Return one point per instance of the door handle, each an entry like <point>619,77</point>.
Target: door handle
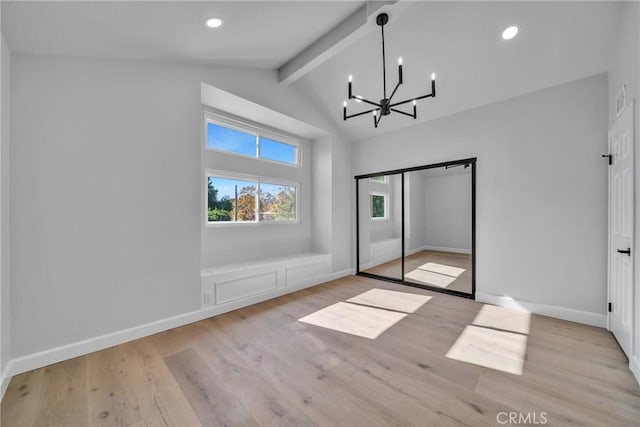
<point>625,251</point>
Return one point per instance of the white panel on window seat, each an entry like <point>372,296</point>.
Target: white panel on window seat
<point>243,287</point>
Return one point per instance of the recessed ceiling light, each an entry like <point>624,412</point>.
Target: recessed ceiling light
<point>213,22</point>
<point>510,32</point>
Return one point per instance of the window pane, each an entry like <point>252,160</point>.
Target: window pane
<point>377,206</point>
<point>277,202</point>
<point>222,138</point>
<point>222,204</point>
<point>278,151</point>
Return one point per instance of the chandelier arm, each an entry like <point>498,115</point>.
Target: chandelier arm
<point>402,112</point>
<point>394,90</point>
<point>376,120</point>
<point>412,99</point>
<point>360,114</point>
<point>366,101</point>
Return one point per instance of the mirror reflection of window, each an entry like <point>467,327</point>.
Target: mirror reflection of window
<point>382,179</point>
<point>379,206</point>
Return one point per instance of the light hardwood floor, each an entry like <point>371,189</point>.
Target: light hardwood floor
<point>394,268</point>
<point>261,366</point>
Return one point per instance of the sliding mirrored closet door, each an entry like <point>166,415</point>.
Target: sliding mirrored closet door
<point>380,225</point>
<point>431,211</point>
<point>438,228</point>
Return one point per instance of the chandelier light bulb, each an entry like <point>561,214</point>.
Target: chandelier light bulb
<point>400,60</point>
<point>213,22</point>
<point>433,76</point>
<point>414,102</point>
<point>374,113</point>
<point>350,78</point>
<point>510,32</point>
<point>344,104</point>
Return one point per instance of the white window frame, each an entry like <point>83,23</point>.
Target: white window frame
<point>254,130</point>
<point>258,179</point>
<point>386,205</point>
<point>385,177</point>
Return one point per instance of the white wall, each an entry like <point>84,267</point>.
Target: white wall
<point>342,217</point>
<point>106,191</point>
<point>321,180</point>
<point>414,211</point>
<point>447,211</point>
<point>5,332</point>
<point>625,70</point>
<point>541,189</point>
<point>395,205</point>
<point>625,57</point>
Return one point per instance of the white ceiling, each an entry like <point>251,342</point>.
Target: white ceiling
<point>460,41</point>
<point>261,34</point>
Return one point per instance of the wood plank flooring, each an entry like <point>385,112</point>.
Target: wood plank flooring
<point>261,366</point>
<point>461,283</point>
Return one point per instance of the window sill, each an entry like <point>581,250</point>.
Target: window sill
<point>222,224</point>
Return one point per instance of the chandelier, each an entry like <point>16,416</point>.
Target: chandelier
<point>386,106</point>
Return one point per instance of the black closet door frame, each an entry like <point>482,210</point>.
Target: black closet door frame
<point>472,161</point>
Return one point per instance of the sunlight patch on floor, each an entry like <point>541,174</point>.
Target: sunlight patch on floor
<point>367,322</point>
<point>496,339</point>
<point>430,278</point>
<point>500,350</point>
<point>492,316</point>
<point>442,269</point>
<point>391,300</point>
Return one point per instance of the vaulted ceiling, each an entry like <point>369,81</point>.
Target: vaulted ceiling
<point>460,41</point>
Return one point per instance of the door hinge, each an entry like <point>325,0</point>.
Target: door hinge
<point>610,156</point>
<point>610,307</point>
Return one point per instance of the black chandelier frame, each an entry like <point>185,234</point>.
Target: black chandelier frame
<point>386,106</point>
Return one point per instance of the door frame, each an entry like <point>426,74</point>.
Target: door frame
<point>472,161</point>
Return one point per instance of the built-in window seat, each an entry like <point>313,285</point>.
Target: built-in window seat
<point>261,279</point>
<point>381,251</point>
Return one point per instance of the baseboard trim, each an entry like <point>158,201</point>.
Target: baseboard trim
<point>5,379</point>
<point>375,263</point>
<point>585,317</point>
<point>80,348</point>
<point>634,366</point>
<point>409,252</point>
<point>445,249</point>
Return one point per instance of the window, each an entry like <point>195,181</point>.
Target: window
<point>277,202</point>
<point>277,151</point>
<point>231,200</point>
<point>243,200</point>
<point>245,140</point>
<point>379,206</point>
<point>231,140</point>
<point>382,179</point>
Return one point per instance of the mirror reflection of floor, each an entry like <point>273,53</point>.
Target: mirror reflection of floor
<point>448,270</point>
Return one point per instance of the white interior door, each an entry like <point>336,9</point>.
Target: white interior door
<point>621,205</point>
